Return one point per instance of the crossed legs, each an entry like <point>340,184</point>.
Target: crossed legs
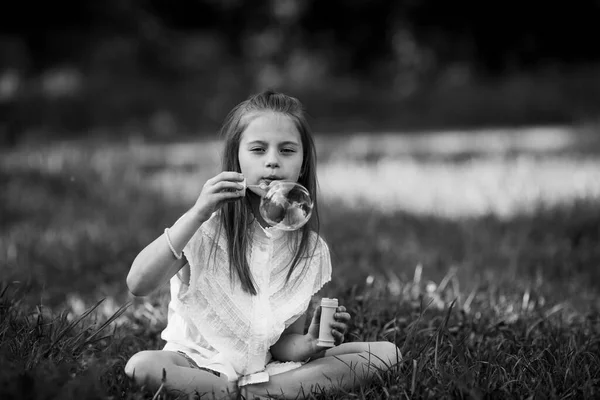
<point>346,366</point>
<point>146,369</point>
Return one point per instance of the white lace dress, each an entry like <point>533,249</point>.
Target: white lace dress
<point>221,327</point>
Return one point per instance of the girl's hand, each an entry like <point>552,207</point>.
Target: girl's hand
<point>338,328</point>
<point>225,187</point>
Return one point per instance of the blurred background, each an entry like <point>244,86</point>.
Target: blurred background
<point>159,69</point>
<point>458,164</point>
<point>452,136</point>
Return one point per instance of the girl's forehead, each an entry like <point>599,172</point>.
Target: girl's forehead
<point>267,126</point>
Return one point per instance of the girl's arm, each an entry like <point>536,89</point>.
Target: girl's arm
<point>156,264</point>
<point>293,345</point>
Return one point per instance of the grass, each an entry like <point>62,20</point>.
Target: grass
<point>484,301</point>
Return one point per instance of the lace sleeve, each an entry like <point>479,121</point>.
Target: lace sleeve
<point>193,249</point>
<point>293,299</point>
<point>199,249</point>
<point>323,261</point>
<point>194,253</point>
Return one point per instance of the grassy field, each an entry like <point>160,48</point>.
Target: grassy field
<point>475,252</point>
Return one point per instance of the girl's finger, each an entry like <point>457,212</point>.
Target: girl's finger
<point>338,338</point>
<point>229,196</point>
<point>341,309</point>
<point>224,176</point>
<point>316,315</point>
<point>341,316</point>
<point>337,334</point>
<point>339,326</point>
<point>229,176</point>
<point>226,186</point>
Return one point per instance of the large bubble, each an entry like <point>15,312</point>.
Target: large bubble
<point>286,206</point>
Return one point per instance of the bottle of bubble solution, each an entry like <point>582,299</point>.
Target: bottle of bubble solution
<point>328,307</point>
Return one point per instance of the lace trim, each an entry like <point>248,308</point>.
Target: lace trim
<point>239,325</point>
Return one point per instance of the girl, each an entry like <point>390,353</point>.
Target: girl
<point>240,290</point>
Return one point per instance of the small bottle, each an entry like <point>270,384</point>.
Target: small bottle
<point>328,307</point>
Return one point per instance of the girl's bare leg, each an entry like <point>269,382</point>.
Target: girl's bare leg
<point>345,366</point>
<point>146,368</point>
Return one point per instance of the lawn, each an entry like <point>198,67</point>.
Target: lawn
<point>475,252</point>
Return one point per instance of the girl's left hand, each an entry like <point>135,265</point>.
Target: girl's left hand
<point>340,326</point>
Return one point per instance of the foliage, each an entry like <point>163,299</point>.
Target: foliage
<point>163,69</point>
<point>358,36</point>
<point>471,321</point>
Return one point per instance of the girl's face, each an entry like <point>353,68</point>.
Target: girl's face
<point>270,149</point>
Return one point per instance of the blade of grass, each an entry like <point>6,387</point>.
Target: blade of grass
<point>70,326</point>
<point>109,321</point>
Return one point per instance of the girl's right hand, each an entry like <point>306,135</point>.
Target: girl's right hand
<point>225,187</point>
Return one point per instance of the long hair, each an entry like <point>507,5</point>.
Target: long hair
<point>236,217</point>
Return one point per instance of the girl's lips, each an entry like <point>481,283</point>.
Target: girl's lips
<point>263,186</point>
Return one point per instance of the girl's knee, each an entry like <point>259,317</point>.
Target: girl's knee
<point>135,362</point>
<point>382,352</point>
<point>138,366</point>
<point>388,353</point>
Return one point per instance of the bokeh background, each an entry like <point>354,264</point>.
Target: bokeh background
<point>158,69</point>
<point>458,149</point>
<point>454,112</point>
<point>450,115</point>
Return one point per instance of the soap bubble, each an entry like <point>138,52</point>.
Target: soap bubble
<point>286,206</point>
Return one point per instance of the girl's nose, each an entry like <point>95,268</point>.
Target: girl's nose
<point>272,160</point>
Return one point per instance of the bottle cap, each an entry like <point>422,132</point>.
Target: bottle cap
<point>325,302</point>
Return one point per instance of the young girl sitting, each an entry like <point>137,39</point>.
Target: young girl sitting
<point>240,289</point>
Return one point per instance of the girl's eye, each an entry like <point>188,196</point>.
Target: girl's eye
<point>288,151</point>
<point>256,149</point>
